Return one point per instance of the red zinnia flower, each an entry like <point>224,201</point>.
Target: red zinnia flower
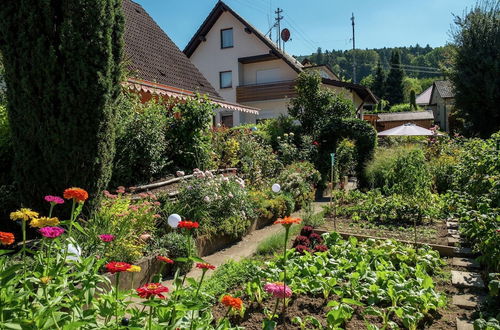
<point>233,302</point>
<point>188,224</point>
<point>117,267</point>
<point>165,259</point>
<point>6,238</point>
<point>77,194</point>
<point>152,290</point>
<point>204,265</point>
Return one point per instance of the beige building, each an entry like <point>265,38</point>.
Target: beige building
<point>442,103</point>
<point>248,68</point>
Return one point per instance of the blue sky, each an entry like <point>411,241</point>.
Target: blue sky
<point>323,23</point>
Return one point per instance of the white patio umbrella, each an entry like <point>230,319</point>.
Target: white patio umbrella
<point>408,129</point>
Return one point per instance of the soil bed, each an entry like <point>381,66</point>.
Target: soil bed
<point>432,233</point>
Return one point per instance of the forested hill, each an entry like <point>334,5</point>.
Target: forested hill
<point>417,62</point>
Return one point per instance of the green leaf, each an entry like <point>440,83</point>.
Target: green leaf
<point>352,302</point>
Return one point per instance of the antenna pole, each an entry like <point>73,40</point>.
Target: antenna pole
<point>278,24</point>
<point>353,51</point>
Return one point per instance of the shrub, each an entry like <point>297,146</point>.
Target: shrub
<point>220,204</point>
<point>478,170</point>
<point>141,147</point>
<point>442,170</point>
<point>258,162</point>
<point>402,107</point>
<point>346,158</point>
<point>225,147</point>
<point>188,133</point>
<point>361,132</point>
<point>271,206</point>
<point>128,220</point>
<point>292,148</point>
<point>299,180</point>
<point>401,170</point>
<point>177,246</point>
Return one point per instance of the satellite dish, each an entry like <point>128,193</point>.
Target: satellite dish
<point>285,34</point>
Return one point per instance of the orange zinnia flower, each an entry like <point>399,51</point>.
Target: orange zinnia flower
<point>232,302</point>
<point>77,194</point>
<point>6,238</point>
<point>287,221</point>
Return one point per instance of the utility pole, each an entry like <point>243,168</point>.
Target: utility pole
<point>278,20</point>
<point>353,51</point>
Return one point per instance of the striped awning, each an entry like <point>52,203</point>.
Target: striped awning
<point>172,92</point>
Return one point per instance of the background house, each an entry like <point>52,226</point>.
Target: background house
<point>442,102</point>
<point>248,68</point>
<point>385,121</point>
<point>158,67</point>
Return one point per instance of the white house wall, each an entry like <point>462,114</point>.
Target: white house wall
<point>210,59</point>
<point>281,71</point>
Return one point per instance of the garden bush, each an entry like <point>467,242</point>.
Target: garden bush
<point>188,133</point>
<point>402,170</point>
<point>132,222</point>
<point>220,204</point>
<point>299,180</point>
<point>257,162</point>
<point>177,246</point>
<point>270,205</point>
<point>141,146</point>
<point>346,158</point>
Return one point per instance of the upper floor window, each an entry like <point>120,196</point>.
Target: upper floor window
<point>226,79</point>
<point>226,38</point>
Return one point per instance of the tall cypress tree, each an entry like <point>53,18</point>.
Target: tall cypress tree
<point>63,74</point>
<point>394,82</point>
<point>378,86</point>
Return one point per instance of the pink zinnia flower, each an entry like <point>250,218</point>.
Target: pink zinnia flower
<point>107,238</point>
<point>278,290</point>
<point>51,232</point>
<point>54,199</point>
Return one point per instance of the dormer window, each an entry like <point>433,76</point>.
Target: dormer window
<point>226,38</point>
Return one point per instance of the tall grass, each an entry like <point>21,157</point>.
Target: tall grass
<point>274,243</point>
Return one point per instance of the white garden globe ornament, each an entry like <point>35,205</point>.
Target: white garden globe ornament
<point>173,220</point>
<point>276,188</point>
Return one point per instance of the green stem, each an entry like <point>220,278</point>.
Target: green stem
<point>275,308</point>
<point>150,317</point>
<point>225,315</point>
<point>287,231</point>
<point>51,208</point>
<point>196,295</point>
<point>48,304</point>
<point>116,295</point>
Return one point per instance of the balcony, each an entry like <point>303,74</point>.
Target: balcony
<point>267,91</point>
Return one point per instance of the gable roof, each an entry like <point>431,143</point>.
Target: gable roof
<point>214,15</point>
<point>445,88</point>
<point>152,56</point>
<point>425,97</point>
<point>364,92</point>
<point>319,66</point>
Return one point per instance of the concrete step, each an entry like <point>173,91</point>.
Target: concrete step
<point>464,324</point>
<point>453,232</point>
<point>467,279</point>
<point>464,252</point>
<point>451,224</point>
<point>465,262</point>
<point>467,301</point>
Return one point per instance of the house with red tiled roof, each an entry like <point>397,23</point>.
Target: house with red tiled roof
<point>248,68</point>
<point>158,67</point>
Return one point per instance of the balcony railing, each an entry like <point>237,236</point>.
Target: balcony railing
<point>267,91</point>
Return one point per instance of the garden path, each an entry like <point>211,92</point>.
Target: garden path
<point>247,246</point>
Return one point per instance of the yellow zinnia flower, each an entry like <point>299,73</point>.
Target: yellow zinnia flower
<point>44,222</point>
<point>134,269</point>
<point>23,214</point>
